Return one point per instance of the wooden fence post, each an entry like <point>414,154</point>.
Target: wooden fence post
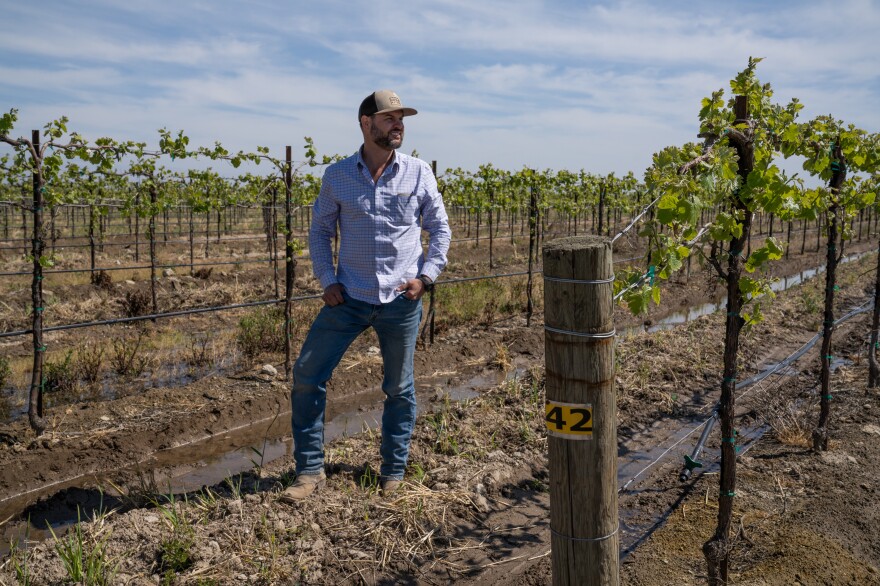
<point>581,410</point>
<point>289,262</point>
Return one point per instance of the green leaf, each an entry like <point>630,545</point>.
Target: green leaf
<point>772,250</point>
<point>7,121</point>
<point>729,170</point>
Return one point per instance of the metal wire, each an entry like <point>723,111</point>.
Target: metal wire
<point>153,316</point>
<point>636,219</point>
<point>222,308</point>
<point>143,267</point>
<point>749,382</point>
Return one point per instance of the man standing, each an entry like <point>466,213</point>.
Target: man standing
<point>381,200</point>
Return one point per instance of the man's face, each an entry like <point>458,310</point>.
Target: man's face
<point>386,130</point>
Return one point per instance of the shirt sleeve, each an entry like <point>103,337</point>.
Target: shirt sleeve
<point>436,223</point>
<point>325,215</point>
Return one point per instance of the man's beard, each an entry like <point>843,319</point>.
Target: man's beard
<point>384,140</point>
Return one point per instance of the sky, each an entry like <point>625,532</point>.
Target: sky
<point>566,84</point>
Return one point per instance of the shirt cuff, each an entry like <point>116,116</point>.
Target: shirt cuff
<point>430,271</point>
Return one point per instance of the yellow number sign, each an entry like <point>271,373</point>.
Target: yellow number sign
<point>569,420</point>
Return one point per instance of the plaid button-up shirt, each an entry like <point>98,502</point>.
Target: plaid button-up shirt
<point>380,226</point>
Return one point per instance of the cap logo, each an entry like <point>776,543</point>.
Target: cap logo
<point>394,100</point>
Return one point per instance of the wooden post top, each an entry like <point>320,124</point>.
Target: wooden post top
<point>577,243</point>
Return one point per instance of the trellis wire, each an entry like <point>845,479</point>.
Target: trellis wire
<point>225,308</point>
<point>144,267</point>
<point>636,219</point>
<point>867,306</point>
<point>154,316</point>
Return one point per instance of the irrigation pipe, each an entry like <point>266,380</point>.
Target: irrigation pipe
<point>749,382</point>
<point>141,267</point>
<point>153,316</point>
<point>158,242</point>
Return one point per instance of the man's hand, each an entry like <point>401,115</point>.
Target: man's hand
<point>413,289</point>
<point>333,295</point>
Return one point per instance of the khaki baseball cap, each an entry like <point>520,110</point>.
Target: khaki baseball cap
<point>383,101</point>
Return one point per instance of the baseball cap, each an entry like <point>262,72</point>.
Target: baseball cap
<point>383,101</point>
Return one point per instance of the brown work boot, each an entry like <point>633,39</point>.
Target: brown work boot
<point>303,486</point>
<point>388,486</point>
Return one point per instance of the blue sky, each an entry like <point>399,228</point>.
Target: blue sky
<point>565,84</point>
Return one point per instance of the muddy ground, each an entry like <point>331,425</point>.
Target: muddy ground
<point>475,507</point>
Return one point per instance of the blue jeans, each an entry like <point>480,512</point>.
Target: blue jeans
<point>335,328</point>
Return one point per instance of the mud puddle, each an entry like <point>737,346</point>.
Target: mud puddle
<point>213,460</point>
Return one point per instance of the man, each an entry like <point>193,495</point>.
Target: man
<point>381,200</point>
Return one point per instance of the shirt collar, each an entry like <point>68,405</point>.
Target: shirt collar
<point>392,168</point>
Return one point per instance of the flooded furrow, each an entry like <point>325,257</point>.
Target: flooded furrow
<point>211,460</point>
<point>687,315</point>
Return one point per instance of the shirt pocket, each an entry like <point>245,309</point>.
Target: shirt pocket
<point>403,208</point>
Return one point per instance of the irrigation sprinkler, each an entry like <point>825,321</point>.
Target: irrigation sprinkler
<point>691,462</point>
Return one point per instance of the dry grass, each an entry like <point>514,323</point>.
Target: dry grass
<point>413,520</point>
<point>362,360</point>
<point>792,433</point>
<point>501,360</point>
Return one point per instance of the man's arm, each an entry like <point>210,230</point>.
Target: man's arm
<point>325,215</point>
<point>436,223</point>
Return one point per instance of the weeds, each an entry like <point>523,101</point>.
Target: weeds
<point>810,300</point>
<point>418,473</point>
<point>174,514</point>
<point>200,354</point>
<point>175,553</point>
<point>258,465</point>
<point>84,559</point>
<point>414,521</point>
<point>102,280</point>
<point>60,377</point>
<point>20,559</point>
<point>5,409</point>
<point>136,303</point>
<point>262,331</point>
<point>526,433</point>
<point>89,360</point>
<point>142,495</point>
<point>206,500</point>
<point>440,423</point>
<point>369,480</point>
<point>490,309</point>
<point>483,301</point>
<point>530,387</point>
<point>125,359</point>
<point>790,430</point>
<point>463,302</point>
<point>501,361</point>
<point>234,484</point>
<point>267,568</point>
<point>5,371</point>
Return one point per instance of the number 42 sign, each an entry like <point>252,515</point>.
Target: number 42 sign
<point>569,420</point>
